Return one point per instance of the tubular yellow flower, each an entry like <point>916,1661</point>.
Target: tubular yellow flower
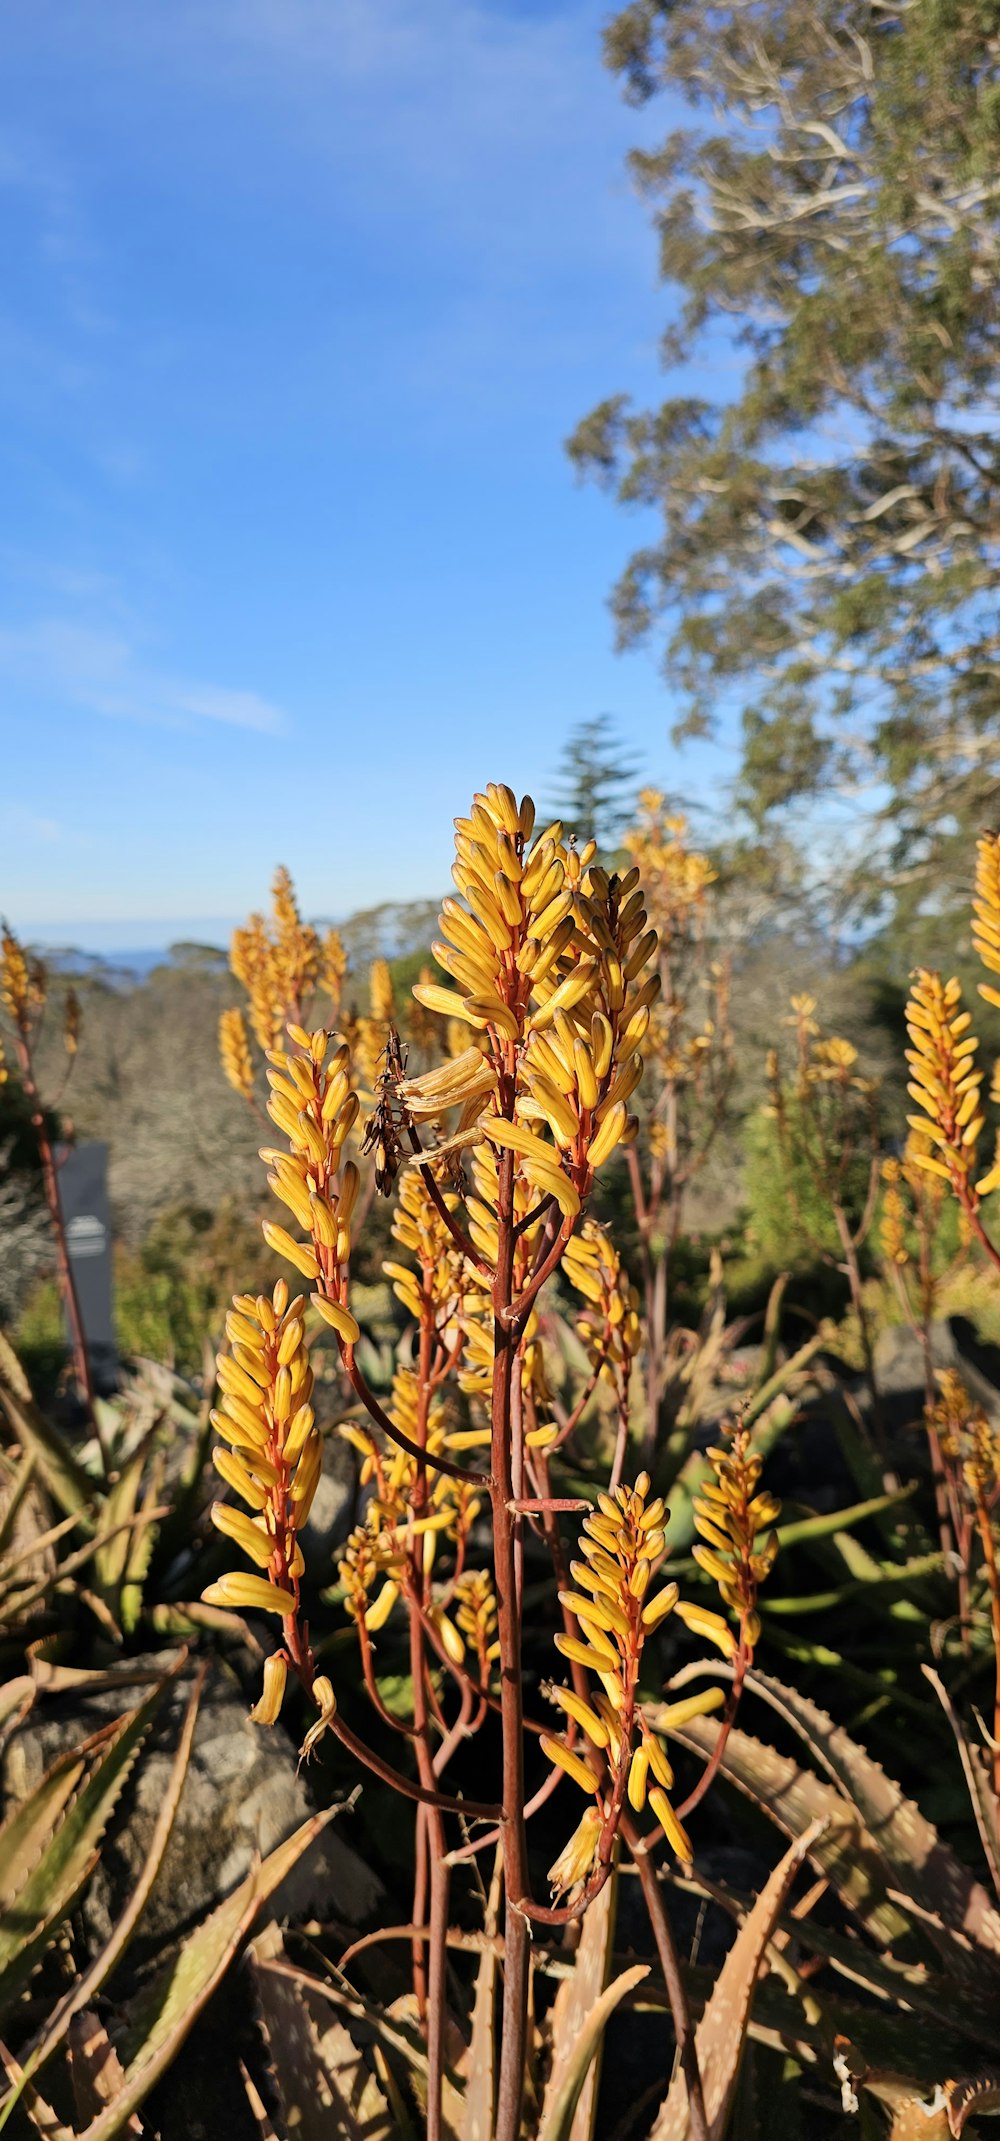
<point>268,1710</point>
<point>576,1861</point>
<point>564,1758</point>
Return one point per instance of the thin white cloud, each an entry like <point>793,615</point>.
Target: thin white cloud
<point>19,822</point>
<point>101,672</point>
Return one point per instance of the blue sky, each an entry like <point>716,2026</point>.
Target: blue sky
<point>300,299</point>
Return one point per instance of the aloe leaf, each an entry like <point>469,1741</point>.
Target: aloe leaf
<point>721,2033</point>
<point>95,2069</point>
<point>70,1486</point>
<point>875,1577</point>
<point>119,1522</point>
<point>795,1798</point>
<point>16,1698</point>
<point>969,2096</point>
<point>22,1475</point>
<point>981,1793</point>
<point>88,1985</point>
<point>776,1384</point>
<point>16,1559</point>
<point>317,2094</point>
<point>140,1551</point>
<point>480,2061</point>
<point>575,2000</point>
<point>52,1886</point>
<point>801,1529</point>
<point>258,2109</point>
<point>41,2114</point>
<point>772,1326</point>
<point>922,1865</point>
<point>557,2124</point>
<point>162,2015</point>
<point>26,1831</point>
<point>849,1856</point>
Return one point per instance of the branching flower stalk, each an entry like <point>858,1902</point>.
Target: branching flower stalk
<point>946,1083</point>
<point>493,1153</point>
<point>691,1063</point>
<point>827,1119</point>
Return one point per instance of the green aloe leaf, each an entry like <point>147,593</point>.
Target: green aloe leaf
<point>480,2062</point>
<point>51,1887</point>
<point>922,1865</point>
<point>795,1798</point>
<point>69,1485</point>
<point>163,2013</point>
<point>86,1986</point>
<point>557,2124</point>
<point>575,2000</point>
<point>721,2033</point>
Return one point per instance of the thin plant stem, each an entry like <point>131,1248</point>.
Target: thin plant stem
<point>687,2049</point>
<point>990,1559</point>
<point>506,1533</point>
<point>50,1184</point>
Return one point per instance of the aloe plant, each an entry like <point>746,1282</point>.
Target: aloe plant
<point>917,1934</point>
<point>49,1848</point>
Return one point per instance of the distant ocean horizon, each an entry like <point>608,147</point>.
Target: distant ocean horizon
<point>137,961</point>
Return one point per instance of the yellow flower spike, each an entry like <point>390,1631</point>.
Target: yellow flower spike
<point>676,1835</point>
<point>268,1709</point>
<point>564,1758</point>
<point>234,1052</point>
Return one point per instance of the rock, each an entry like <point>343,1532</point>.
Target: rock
<point>899,1367</point>
<point>333,1510</point>
<point>242,1796</point>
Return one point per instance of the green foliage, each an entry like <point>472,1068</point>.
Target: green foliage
<point>595,783</point>
<point>789,1223</point>
<point>827,553</point>
<point>171,1294</point>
